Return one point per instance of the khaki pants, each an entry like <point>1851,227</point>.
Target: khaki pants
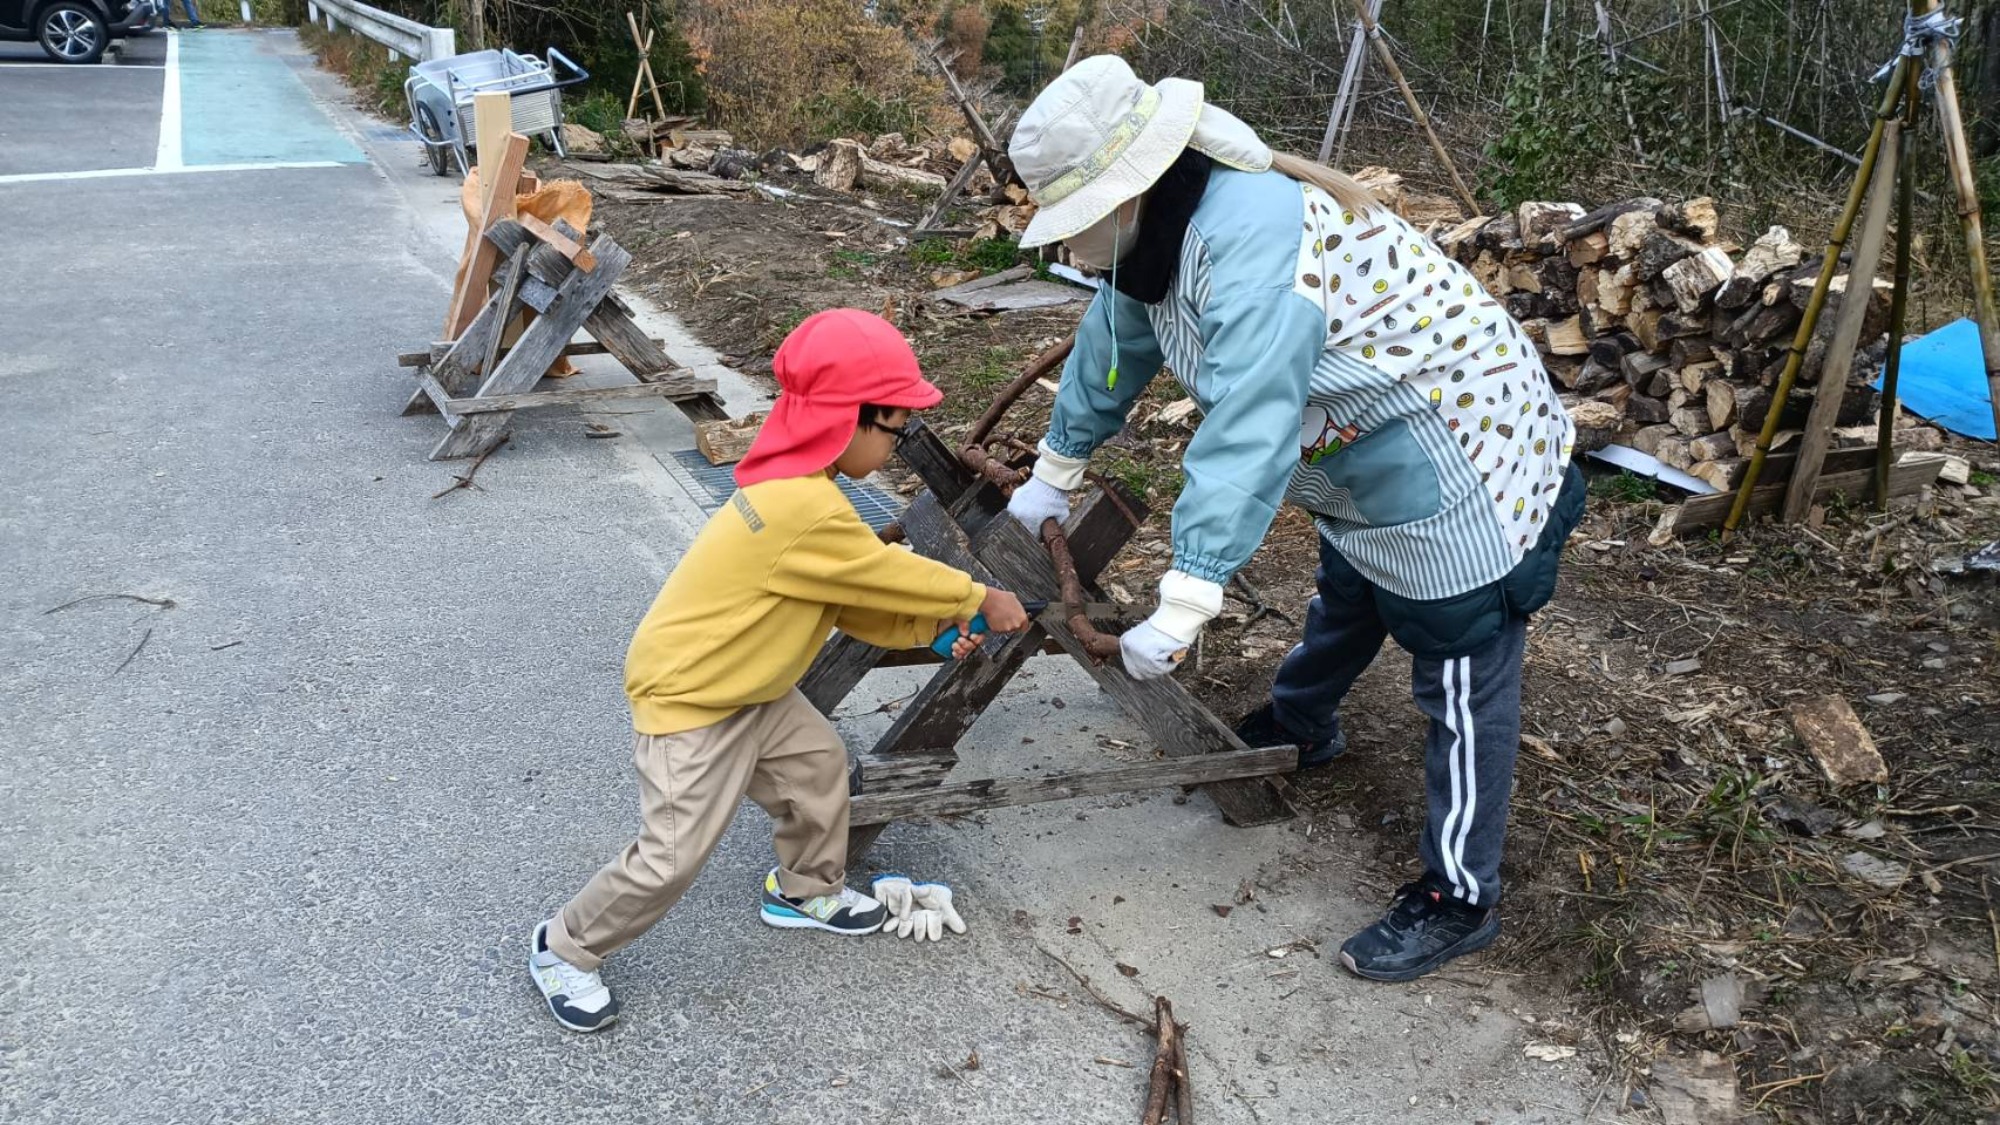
<point>783,755</point>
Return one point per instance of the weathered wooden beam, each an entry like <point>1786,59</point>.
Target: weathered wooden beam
<point>537,348</point>
<point>442,347</point>
<point>1906,478</point>
<point>1181,726</point>
<point>686,386</point>
<point>871,809</point>
<point>457,371</point>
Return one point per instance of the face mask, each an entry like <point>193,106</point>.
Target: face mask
<point>1101,245</point>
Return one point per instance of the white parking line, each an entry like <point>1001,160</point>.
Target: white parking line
<point>117,173</point>
<point>169,157</point>
<point>7,66</point>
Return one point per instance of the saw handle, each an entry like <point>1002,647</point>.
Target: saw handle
<point>948,638</point>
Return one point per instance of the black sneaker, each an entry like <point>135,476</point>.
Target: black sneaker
<point>1424,929</point>
<point>1261,728</point>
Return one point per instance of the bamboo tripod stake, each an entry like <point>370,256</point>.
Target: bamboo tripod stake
<point>1847,325</point>
<point>1900,96</point>
<point>1899,297</point>
<point>1388,61</point>
<point>1891,99</point>
<point>1959,155</point>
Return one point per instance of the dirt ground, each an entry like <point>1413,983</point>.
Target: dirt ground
<point>1668,827</point>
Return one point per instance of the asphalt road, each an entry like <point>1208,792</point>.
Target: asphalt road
<point>272,839</point>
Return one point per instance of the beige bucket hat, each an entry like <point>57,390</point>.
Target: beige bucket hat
<point>1098,136</point>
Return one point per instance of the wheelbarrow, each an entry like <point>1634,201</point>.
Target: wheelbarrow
<point>440,96</point>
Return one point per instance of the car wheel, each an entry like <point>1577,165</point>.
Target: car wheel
<point>435,152</point>
<point>72,32</point>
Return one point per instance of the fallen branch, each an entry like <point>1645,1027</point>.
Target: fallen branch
<point>1103,1001</point>
<point>1100,646</point>
<point>163,603</point>
<point>134,654</point>
<point>464,480</point>
<point>1162,1083</point>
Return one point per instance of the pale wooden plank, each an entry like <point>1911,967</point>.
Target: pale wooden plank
<point>688,386</point>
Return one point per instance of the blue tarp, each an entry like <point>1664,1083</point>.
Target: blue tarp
<point>1944,379</point>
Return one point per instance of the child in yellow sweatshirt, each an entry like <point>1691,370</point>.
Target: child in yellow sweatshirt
<point>713,671</point>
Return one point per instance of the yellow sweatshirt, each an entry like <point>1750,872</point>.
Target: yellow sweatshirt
<point>780,567</point>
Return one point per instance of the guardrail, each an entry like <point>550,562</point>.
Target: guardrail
<point>404,37</point>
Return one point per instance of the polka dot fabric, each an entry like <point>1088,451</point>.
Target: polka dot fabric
<point>1393,301</point>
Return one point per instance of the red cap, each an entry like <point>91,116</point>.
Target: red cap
<point>827,369</point>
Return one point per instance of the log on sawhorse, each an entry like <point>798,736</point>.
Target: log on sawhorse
<point>475,384</point>
<point>959,519</point>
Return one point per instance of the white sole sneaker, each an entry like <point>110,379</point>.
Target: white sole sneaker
<point>563,984</point>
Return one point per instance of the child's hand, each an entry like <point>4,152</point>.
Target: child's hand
<point>1003,611</point>
<point>968,642</point>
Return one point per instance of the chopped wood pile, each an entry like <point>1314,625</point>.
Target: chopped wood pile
<point>1671,339</point>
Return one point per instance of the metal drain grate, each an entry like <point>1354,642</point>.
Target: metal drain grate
<point>718,482</point>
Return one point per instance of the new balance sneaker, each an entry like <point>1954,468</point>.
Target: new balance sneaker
<point>577,999</point>
<point>1261,728</point>
<point>1424,929</point>
<point>849,912</point>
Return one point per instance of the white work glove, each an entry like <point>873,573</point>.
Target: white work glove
<point>1186,604</point>
<point>895,892</point>
<point>1045,495</point>
<point>934,914</point>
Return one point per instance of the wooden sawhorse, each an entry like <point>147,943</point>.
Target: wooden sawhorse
<point>960,519</point>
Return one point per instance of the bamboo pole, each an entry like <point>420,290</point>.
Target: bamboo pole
<point>1847,324</point>
<point>1891,98</point>
<point>1899,298</point>
<point>1416,110</point>
<point>1958,154</point>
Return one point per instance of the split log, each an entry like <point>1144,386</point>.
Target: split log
<point>1591,415</point>
<point>1674,452</point>
<point>1614,290</point>
<point>1565,337</point>
<point>1611,348</point>
<point>1603,217</point>
<point>1645,409</point>
<point>1697,219</point>
<point>879,175</point>
<point>1690,421</point>
<point>1692,351</point>
<point>840,165</point>
<point>1461,241</point>
<point>1629,232</point>
<point>1589,250</point>
<point>1647,440</point>
<point>726,441</point>
<point>1720,399</point>
<point>1773,251</point>
<point>1640,367</point>
<point>1696,376</point>
<point>1659,250</point>
<point>1830,730</point>
<point>652,178</point>
<point>1645,324</point>
<point>1724,475</point>
<point>1543,226</point>
<point>1596,375</point>
<point>1712,447</point>
<point>1695,278</point>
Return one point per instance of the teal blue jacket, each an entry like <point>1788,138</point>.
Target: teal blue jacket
<point>1341,361</point>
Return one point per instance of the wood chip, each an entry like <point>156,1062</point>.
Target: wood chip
<point>1830,730</point>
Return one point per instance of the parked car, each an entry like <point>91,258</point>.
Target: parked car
<point>73,31</point>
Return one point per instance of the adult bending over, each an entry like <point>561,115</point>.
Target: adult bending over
<point>1343,362</point>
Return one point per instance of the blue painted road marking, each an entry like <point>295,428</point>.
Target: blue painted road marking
<point>242,104</point>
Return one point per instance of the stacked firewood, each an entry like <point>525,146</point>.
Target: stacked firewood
<point>1670,338</point>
